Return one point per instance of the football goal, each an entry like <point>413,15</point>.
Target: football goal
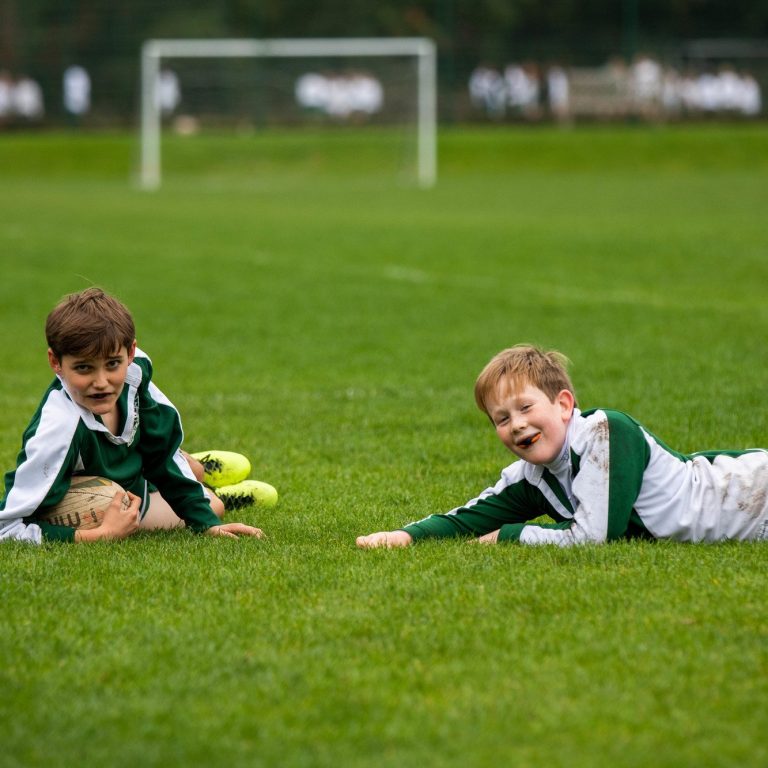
<point>322,82</point>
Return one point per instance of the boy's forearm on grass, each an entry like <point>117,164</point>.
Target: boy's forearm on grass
<point>511,532</point>
<point>413,531</point>
<point>82,536</point>
<point>439,527</point>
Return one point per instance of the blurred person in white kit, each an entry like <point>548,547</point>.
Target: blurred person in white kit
<point>77,91</point>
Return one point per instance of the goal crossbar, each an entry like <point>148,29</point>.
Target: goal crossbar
<point>153,51</point>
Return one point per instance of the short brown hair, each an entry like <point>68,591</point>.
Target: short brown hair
<point>90,323</point>
<point>524,364</point>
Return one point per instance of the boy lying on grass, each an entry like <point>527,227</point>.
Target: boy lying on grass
<point>103,416</point>
<point>598,474</point>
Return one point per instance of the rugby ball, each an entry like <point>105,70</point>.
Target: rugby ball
<point>84,503</point>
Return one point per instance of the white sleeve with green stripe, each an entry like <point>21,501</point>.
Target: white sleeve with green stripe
<point>609,454</point>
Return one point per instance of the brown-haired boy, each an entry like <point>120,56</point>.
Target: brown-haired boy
<point>599,475</point>
<point>104,416</point>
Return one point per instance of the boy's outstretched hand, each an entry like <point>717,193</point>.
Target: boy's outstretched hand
<point>489,538</point>
<point>388,539</point>
<point>235,530</point>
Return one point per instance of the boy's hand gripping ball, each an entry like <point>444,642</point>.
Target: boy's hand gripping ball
<point>84,503</point>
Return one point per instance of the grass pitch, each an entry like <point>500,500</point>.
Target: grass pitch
<point>328,320</point>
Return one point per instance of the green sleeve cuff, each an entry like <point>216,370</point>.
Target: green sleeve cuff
<point>198,527</point>
<point>54,532</point>
<point>413,531</point>
<point>511,531</point>
<point>200,520</point>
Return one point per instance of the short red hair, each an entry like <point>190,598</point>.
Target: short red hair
<point>520,365</point>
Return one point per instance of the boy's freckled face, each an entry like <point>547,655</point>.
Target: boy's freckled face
<point>94,382</point>
<point>528,423</point>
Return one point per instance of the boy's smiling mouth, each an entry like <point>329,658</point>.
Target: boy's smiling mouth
<point>527,442</point>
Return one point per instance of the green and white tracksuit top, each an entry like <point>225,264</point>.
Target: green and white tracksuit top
<point>64,439</point>
<point>613,479</point>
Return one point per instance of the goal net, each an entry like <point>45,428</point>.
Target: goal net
<point>383,89</point>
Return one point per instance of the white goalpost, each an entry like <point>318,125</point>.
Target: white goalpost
<point>154,52</point>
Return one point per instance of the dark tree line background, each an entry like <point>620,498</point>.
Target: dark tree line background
<point>42,37</point>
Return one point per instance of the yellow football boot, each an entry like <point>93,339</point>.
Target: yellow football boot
<point>247,493</point>
<point>223,467</point>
